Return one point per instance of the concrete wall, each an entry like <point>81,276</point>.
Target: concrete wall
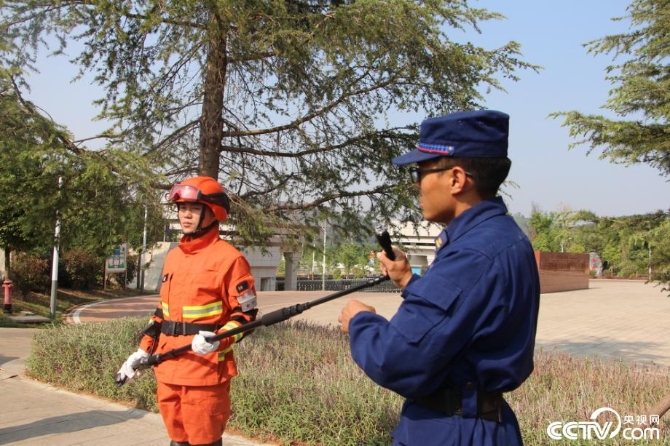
<point>562,271</point>
<point>155,258</point>
<point>264,266</point>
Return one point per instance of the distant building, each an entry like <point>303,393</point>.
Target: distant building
<point>264,261</point>
<point>418,243</point>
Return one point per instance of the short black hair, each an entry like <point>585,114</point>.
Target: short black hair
<point>488,173</point>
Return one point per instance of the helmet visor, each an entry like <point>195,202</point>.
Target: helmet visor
<point>182,192</point>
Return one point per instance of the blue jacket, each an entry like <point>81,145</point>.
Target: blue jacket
<point>472,317</point>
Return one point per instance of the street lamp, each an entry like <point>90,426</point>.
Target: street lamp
<point>323,269</point>
<point>54,266</point>
<point>144,249</point>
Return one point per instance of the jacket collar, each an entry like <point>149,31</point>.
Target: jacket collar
<point>190,245</point>
<point>469,219</point>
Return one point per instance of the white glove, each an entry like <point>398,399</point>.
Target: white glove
<point>127,367</point>
<point>201,346</point>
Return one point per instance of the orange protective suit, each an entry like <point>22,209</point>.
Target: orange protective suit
<point>205,279</point>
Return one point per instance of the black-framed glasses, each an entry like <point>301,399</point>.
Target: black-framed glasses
<point>415,173</point>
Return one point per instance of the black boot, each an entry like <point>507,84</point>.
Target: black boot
<point>218,442</point>
<point>179,443</point>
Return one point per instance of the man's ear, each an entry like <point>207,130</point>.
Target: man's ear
<point>458,180</point>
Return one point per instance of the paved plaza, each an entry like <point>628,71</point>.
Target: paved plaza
<point>613,319</point>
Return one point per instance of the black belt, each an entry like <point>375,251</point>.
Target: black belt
<point>172,328</point>
<point>449,402</point>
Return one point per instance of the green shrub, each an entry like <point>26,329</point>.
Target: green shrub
<point>81,268</point>
<point>298,384</point>
<point>131,268</point>
<point>297,381</point>
<point>86,357</point>
<point>30,272</point>
<point>568,388</point>
<point>307,390</point>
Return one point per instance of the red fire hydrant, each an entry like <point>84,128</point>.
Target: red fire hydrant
<point>8,286</point>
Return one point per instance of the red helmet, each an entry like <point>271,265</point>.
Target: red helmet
<point>205,190</point>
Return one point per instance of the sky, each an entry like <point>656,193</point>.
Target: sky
<point>550,177</point>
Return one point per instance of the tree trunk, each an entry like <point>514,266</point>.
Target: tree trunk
<point>211,119</point>
<point>8,264</point>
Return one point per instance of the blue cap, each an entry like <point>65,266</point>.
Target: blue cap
<point>476,134</point>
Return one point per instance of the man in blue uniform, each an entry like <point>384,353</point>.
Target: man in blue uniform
<point>465,331</point>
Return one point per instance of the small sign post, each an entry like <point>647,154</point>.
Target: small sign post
<point>117,262</point>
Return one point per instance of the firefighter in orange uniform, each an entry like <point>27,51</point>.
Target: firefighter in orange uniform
<point>207,287</point>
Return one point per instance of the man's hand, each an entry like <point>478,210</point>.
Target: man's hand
<point>351,309</point>
<point>127,369</point>
<point>201,346</point>
<point>398,270</point>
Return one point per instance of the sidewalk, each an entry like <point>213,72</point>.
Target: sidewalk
<point>624,320</point>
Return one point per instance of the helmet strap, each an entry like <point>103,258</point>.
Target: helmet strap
<point>202,231</point>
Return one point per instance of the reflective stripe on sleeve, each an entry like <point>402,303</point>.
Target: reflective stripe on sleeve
<point>222,353</point>
<point>231,325</point>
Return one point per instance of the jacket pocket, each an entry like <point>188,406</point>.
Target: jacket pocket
<point>427,304</point>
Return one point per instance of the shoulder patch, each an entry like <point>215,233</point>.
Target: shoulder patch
<point>242,286</point>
